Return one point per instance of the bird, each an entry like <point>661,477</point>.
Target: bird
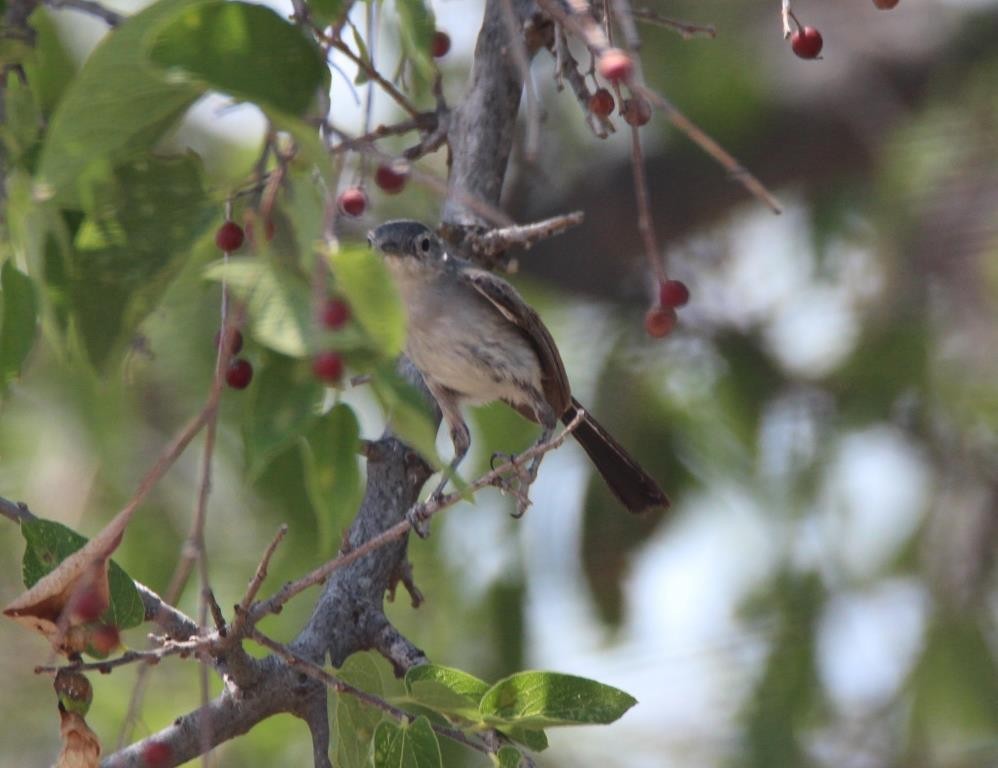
<point>475,340</point>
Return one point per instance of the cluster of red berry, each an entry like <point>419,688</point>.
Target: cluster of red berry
<point>661,317</point>
<point>335,313</point>
<point>328,366</point>
<point>239,374</point>
<point>618,68</point>
<point>390,177</point>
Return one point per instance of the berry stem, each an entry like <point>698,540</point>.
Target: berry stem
<point>645,226</point>
<point>787,14</point>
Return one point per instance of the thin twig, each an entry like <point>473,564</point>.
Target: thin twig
<point>425,121</point>
<point>687,30</point>
<point>151,657</point>
<point>372,73</point>
<point>703,140</point>
<point>422,512</point>
<point>785,15</point>
<point>256,582</point>
<point>496,241</point>
<point>17,512</point>
<point>656,264</point>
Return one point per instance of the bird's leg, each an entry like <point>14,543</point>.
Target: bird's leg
<point>525,475</point>
<point>449,402</point>
<point>460,437</point>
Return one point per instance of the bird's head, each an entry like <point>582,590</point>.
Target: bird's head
<point>402,240</point>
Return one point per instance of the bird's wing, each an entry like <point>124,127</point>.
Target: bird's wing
<point>505,298</point>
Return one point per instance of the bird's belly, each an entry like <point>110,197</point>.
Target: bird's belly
<point>479,368</point>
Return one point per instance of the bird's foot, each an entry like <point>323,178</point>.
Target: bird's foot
<point>418,519</point>
<point>507,458</point>
<point>518,482</point>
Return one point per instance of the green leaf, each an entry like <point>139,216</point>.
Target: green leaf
<point>22,122</point>
<point>282,408</point>
<point>326,11</point>
<point>507,757</point>
<point>412,746</point>
<point>50,69</point>
<point>117,106</point>
<point>18,319</point>
<point>544,699</point>
<point>446,690</point>
<point>407,412</point>
<point>138,234</point>
<point>49,543</point>
<point>354,722</point>
<point>331,470</point>
<point>361,77</point>
<point>246,50</point>
<point>278,303</point>
<point>532,738</point>
<point>416,27</point>
<point>363,278</point>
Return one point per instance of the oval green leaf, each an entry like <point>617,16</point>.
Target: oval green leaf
<point>331,472</point>
<point>364,280</point>
<point>117,106</point>
<point>17,320</point>
<point>413,746</point>
<point>446,690</point>
<point>246,50</point>
<point>545,699</point>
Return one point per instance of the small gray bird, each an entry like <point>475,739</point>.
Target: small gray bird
<point>475,340</point>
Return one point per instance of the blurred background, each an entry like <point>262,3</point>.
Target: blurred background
<point>825,417</point>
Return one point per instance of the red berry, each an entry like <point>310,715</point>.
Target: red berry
<point>235,340</point>
<point>440,45</point>
<point>885,5</point>
<point>156,754</point>
<point>806,43</point>
<point>673,293</point>
<point>391,178</point>
<point>659,321</point>
<point>328,366</point>
<point>601,103</point>
<point>87,604</point>
<point>352,202</point>
<point>636,112</point>
<point>229,237</point>
<point>101,639</point>
<point>335,313</point>
<point>615,65</point>
<point>240,373</point>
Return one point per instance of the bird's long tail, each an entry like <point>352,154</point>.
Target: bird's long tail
<point>635,488</point>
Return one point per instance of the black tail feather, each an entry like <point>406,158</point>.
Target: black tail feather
<point>634,487</point>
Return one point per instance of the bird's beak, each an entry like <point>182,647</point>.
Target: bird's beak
<point>382,241</point>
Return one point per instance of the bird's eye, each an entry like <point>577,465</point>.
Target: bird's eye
<point>424,245</point>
